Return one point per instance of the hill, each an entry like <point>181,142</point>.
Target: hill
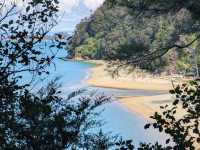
<point>113,33</point>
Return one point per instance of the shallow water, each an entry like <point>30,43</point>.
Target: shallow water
<point>118,119</point>
<point>129,125</point>
<point>123,92</point>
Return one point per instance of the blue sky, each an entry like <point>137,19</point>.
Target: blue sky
<point>72,11</point>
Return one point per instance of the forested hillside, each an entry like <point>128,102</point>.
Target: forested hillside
<point>114,33</point>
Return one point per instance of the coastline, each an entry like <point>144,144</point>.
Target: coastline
<point>101,78</point>
<point>144,106</point>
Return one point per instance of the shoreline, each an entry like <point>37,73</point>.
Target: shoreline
<point>101,78</point>
<point>145,106</point>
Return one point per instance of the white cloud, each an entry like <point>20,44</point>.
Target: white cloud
<point>93,4</point>
<point>68,5</point>
<point>64,5</point>
<point>9,3</point>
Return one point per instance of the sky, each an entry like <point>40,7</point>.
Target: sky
<point>72,11</point>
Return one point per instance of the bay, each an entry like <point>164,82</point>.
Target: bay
<point>118,120</point>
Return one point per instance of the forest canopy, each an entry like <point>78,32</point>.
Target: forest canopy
<point>135,32</point>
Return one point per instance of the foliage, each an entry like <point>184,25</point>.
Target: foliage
<point>47,121</point>
<point>31,119</point>
<point>106,26</point>
<point>43,119</point>
<point>157,27</point>
<point>189,58</point>
<point>184,63</point>
<point>184,130</point>
<point>144,38</point>
<point>125,145</point>
<point>182,19</point>
<point>89,49</point>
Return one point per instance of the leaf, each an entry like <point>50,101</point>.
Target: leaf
<point>59,36</point>
<point>160,129</point>
<point>129,141</point>
<point>10,22</point>
<point>172,92</point>
<point>167,141</point>
<point>161,107</point>
<point>75,93</point>
<point>168,148</point>
<point>118,144</point>
<point>28,8</point>
<point>198,140</point>
<point>56,1</point>
<point>5,25</point>
<point>175,102</point>
<point>147,126</point>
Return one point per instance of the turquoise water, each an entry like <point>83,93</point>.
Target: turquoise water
<point>117,119</point>
<point>71,73</point>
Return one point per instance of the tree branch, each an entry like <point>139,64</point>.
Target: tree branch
<point>7,13</point>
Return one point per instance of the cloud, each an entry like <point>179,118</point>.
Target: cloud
<point>93,4</point>
<point>68,5</point>
<point>64,5</point>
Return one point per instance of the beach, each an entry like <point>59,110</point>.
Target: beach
<point>140,106</point>
<point>144,106</point>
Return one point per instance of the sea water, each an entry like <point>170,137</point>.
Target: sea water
<point>118,120</point>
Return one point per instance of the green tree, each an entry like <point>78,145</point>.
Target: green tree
<point>189,59</point>
<point>184,130</point>
<point>182,18</point>
<point>89,49</point>
<point>184,64</point>
<point>117,27</point>
<point>38,120</point>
